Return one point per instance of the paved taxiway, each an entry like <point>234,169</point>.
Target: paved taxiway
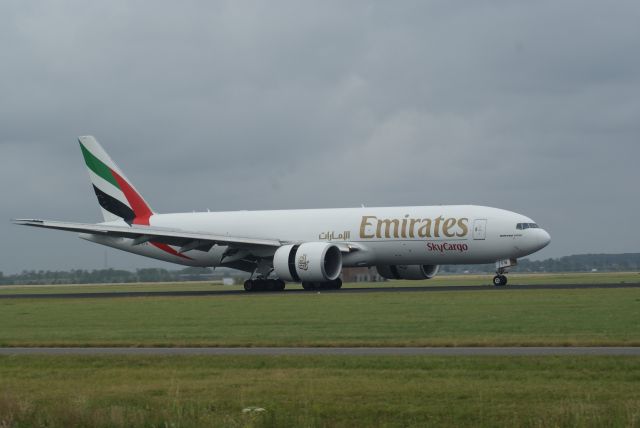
<point>403,351</point>
<point>187,293</point>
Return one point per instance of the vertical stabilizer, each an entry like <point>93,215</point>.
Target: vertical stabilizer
<point>117,197</point>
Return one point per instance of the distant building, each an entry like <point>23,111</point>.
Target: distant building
<point>361,274</point>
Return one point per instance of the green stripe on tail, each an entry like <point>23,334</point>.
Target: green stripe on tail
<point>98,167</point>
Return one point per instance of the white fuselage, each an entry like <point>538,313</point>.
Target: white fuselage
<point>433,235</point>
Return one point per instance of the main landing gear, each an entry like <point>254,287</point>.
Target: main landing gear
<point>336,284</point>
<point>264,285</point>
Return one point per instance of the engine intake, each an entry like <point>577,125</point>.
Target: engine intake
<point>414,272</point>
<point>308,262</point>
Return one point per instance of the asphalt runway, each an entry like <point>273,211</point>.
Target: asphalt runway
<point>408,351</point>
<point>381,289</point>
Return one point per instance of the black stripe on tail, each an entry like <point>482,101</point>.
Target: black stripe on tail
<point>114,206</point>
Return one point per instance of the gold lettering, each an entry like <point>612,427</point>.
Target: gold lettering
<point>363,226</point>
<point>436,229</point>
<point>462,224</point>
<point>411,227</point>
<point>403,233</point>
<point>448,224</point>
<point>424,231</point>
<point>387,223</point>
<point>412,223</point>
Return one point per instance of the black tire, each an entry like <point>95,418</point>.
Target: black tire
<point>503,280</point>
<point>307,286</point>
<point>497,281</point>
<point>249,285</point>
<point>337,283</point>
<point>280,285</point>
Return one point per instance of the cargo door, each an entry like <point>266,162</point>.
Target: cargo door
<point>480,228</point>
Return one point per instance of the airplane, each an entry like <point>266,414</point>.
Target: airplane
<point>308,246</point>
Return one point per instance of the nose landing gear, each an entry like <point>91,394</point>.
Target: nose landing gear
<point>500,280</point>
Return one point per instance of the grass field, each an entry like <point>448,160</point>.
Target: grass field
<point>474,318</point>
<point>194,391</point>
<point>441,280</point>
<point>319,391</point>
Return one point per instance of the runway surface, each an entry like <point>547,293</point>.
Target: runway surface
<point>381,289</point>
<point>452,352</point>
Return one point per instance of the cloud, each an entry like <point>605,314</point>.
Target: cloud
<point>529,106</point>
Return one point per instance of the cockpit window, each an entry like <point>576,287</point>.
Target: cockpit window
<point>521,226</point>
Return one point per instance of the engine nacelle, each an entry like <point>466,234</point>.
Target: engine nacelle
<point>408,271</point>
<point>308,262</point>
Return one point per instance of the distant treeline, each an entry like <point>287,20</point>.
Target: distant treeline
<point>110,276</point>
<point>576,263</point>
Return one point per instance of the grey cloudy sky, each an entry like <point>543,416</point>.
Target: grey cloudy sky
<point>528,106</point>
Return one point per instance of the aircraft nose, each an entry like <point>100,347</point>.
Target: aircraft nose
<point>543,239</point>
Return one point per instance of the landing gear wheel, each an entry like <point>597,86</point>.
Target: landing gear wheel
<point>336,284</point>
<point>280,285</point>
<point>499,280</point>
<point>249,285</point>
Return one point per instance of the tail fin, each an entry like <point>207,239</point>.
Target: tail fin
<point>116,195</point>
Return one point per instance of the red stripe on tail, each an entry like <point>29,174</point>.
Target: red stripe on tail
<point>139,207</point>
<point>142,212</point>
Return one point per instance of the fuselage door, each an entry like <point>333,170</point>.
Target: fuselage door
<point>480,228</point>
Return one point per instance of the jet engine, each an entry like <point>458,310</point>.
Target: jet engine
<point>308,262</point>
<point>408,271</point>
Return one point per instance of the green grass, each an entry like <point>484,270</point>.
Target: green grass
<point>106,288</point>
<point>473,318</point>
<point>441,280</point>
<point>319,391</point>
<point>119,391</point>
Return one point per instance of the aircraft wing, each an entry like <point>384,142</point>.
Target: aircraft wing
<point>184,239</point>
